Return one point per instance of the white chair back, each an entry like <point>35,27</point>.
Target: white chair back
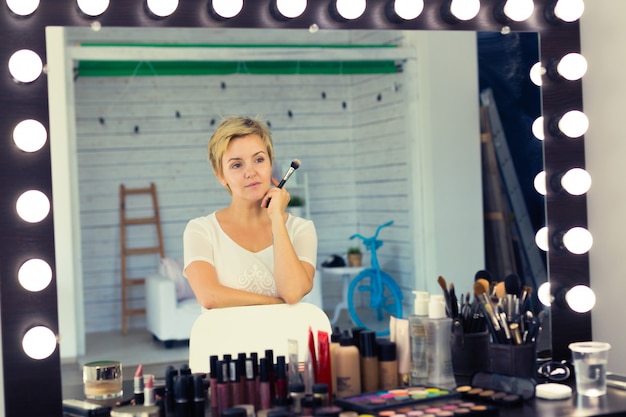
<point>250,329</point>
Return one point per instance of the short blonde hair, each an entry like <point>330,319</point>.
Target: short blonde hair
<point>234,127</point>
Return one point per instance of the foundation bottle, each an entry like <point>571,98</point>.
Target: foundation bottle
<point>348,371</point>
<point>387,365</point>
<point>417,334</point>
<point>334,344</point>
<point>369,361</point>
<point>439,356</point>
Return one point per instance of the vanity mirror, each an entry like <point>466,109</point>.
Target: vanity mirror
<point>21,171</point>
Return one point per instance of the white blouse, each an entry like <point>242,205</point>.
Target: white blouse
<point>236,267</point>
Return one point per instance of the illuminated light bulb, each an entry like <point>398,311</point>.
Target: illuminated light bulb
<point>93,7</point>
<point>541,239</point>
<point>25,66</point>
<point>543,294</point>
<point>35,275</point>
<point>39,342</point>
<point>569,10</point>
<point>227,8</point>
<point>519,10</point>
<point>540,183</point>
<point>580,298</point>
<point>536,71</point>
<point>574,124</point>
<point>576,181</point>
<point>465,9</point>
<point>578,240</point>
<point>23,7</point>
<point>537,128</point>
<point>572,66</point>
<point>408,9</point>
<point>291,8</point>
<point>30,135</point>
<point>162,8</point>
<point>350,9</point>
<point>33,206</point>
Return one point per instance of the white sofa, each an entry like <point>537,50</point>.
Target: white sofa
<point>170,320</point>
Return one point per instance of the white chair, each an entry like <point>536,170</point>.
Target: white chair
<point>250,329</point>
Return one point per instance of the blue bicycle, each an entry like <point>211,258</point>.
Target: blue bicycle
<point>373,295</point>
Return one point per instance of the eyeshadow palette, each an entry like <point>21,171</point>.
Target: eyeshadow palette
<point>374,402</point>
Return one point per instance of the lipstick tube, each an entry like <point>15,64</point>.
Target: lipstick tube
<point>265,393</point>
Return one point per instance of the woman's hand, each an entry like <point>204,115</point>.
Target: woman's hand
<point>276,200</point>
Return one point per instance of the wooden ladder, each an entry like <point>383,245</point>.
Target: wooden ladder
<point>126,251</point>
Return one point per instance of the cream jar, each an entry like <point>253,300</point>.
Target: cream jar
<point>102,380</point>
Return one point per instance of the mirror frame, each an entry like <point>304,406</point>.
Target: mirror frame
<point>20,310</point>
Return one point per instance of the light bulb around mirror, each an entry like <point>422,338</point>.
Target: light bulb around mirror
<point>291,8</point>
<point>578,240</point>
<point>541,239</point>
<point>537,128</point>
<point>574,124</point>
<point>162,8</point>
<point>536,71</point>
<point>580,298</point>
<point>519,10</point>
<point>33,206</point>
<point>540,183</point>
<point>576,181</point>
<point>569,10</point>
<point>350,9</point>
<point>408,9</point>
<point>23,7</point>
<point>30,135</point>
<point>35,275</point>
<point>543,294</point>
<point>227,9</point>
<point>93,7</point>
<point>25,66</point>
<point>465,9</point>
<point>572,66</point>
<point>39,342</point>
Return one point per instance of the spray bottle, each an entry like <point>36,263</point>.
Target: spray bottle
<point>417,329</point>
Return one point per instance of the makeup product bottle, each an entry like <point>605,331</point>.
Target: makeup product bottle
<point>321,391</point>
<point>181,398</point>
<point>439,357</point>
<point>223,394</point>
<point>269,355</point>
<point>198,396</point>
<point>213,381</point>
<point>417,329</point>
<point>170,375</point>
<point>296,394</point>
<point>265,392</point>
<point>369,361</point>
<point>387,365</point>
<point>348,368</point>
<point>403,349</point>
<point>252,396</point>
<point>356,337</point>
<point>102,380</point>
<point>280,381</point>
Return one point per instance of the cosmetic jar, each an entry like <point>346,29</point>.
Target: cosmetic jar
<point>102,380</point>
<point>136,411</point>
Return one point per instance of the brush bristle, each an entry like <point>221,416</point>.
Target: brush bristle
<point>478,289</point>
<point>512,284</point>
<point>295,164</point>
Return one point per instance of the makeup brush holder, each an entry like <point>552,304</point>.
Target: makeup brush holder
<point>470,354</point>
<point>514,360</point>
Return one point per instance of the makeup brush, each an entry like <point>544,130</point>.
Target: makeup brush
<point>295,164</point>
<point>446,295</point>
<point>513,286</point>
<point>485,302</point>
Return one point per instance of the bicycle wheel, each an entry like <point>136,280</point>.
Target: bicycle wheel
<point>364,312</point>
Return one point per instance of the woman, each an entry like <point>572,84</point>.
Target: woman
<point>251,252</point>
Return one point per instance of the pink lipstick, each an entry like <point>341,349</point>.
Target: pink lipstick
<point>138,385</point>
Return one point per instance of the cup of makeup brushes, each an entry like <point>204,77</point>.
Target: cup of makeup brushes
<point>514,360</point>
<point>470,353</point>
